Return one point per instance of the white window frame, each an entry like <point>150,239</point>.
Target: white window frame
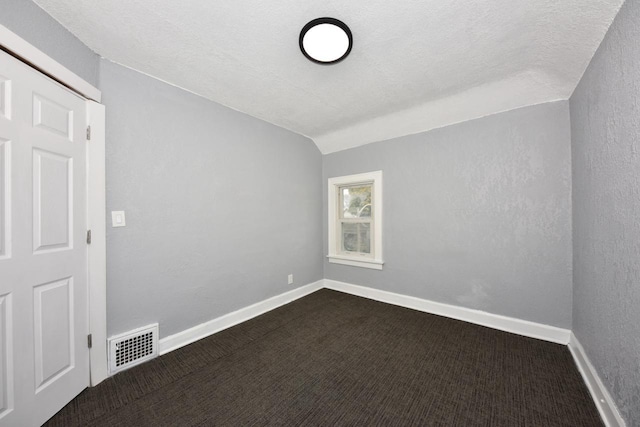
<point>373,260</point>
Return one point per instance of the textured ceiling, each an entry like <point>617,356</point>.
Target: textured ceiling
<point>415,64</point>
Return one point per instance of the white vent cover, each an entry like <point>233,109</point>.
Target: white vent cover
<point>132,348</point>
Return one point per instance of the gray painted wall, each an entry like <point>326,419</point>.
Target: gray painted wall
<point>605,125</point>
<point>33,24</point>
<point>476,214</point>
<point>220,206</point>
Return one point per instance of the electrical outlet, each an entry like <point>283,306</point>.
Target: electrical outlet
<point>290,279</point>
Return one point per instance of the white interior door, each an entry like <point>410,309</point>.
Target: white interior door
<point>44,359</point>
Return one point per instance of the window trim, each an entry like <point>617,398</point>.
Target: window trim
<point>374,260</point>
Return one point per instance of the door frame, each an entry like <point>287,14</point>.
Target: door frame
<point>96,190</point>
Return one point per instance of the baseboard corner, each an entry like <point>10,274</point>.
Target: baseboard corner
<point>601,397</point>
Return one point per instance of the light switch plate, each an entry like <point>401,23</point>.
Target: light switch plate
<point>118,219</point>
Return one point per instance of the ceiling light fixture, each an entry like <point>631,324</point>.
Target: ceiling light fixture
<point>326,41</point>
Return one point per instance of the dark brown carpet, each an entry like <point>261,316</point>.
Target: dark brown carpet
<point>336,359</point>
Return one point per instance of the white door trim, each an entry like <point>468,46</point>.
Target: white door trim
<point>96,222</point>
<point>37,59</point>
<point>46,65</point>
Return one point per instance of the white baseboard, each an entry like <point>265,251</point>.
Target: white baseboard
<point>495,321</point>
<point>503,323</point>
<point>599,393</point>
<point>203,330</point>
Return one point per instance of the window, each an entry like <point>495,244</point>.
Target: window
<point>355,220</point>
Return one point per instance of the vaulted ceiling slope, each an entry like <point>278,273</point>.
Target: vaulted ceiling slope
<point>415,64</point>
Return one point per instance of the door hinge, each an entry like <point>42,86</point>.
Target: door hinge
<point>89,341</point>
<point>88,237</point>
<point>88,133</point>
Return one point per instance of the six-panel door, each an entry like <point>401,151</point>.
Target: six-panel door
<point>44,360</point>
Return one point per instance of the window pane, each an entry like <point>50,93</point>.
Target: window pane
<point>350,237</point>
<point>365,238</point>
<point>356,201</point>
<point>356,237</point>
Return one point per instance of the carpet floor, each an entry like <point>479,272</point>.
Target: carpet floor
<point>335,359</point>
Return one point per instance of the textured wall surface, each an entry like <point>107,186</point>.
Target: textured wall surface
<point>220,206</point>
<point>33,24</point>
<point>476,214</point>
<point>605,125</point>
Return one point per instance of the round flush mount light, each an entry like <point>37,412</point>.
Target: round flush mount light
<point>326,40</point>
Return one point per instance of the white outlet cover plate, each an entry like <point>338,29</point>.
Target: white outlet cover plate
<point>118,219</point>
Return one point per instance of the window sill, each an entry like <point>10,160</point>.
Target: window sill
<point>375,264</point>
